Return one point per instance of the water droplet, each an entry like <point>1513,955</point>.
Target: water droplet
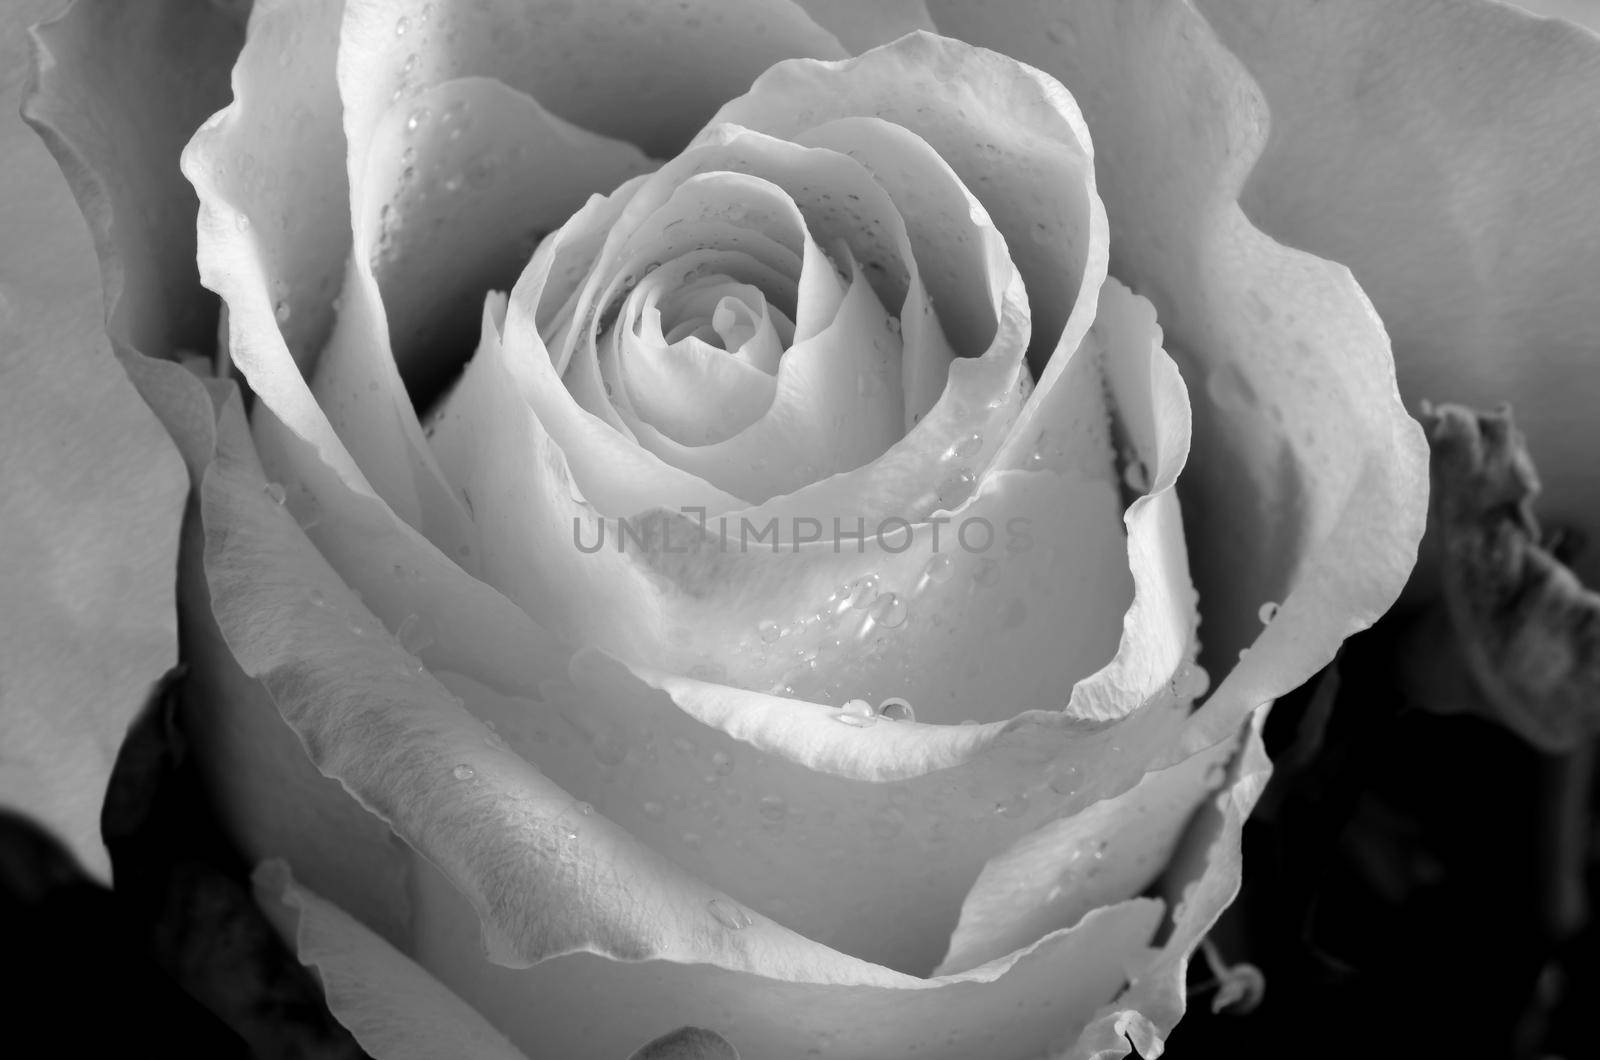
<point>611,747</point>
<point>864,590</point>
<point>463,772</point>
<point>1135,477</point>
<point>893,324</point>
<point>886,823</point>
<point>241,222</point>
<point>318,599</point>
<point>402,25</point>
<point>772,808</point>
<point>410,66</point>
<point>1064,782</point>
<point>282,311</point>
<point>415,634</point>
<point>769,630</point>
<point>654,810</point>
<point>897,709</point>
<point>585,809</point>
<point>727,913</point>
<point>967,447</point>
<point>889,611</point>
<point>1228,389</point>
<point>1267,612</point>
<point>858,713</point>
<point>417,119</point>
<point>1012,807</point>
<point>938,569</point>
<point>954,491</point>
<point>275,493</point>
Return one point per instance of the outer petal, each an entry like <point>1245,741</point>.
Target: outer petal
<point>396,1010</point>
<point>89,513</point>
<point>1448,153</point>
<point>120,88</point>
<point>640,71</point>
<point>1028,1005</point>
<point>1202,881</point>
<point>1308,484</point>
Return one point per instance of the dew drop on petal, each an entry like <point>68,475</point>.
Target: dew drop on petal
<point>769,630</point>
<point>585,809</point>
<point>728,914</point>
<point>417,119</point>
<point>938,570</point>
<point>611,747</point>
<point>402,26</point>
<point>886,823</point>
<point>282,311</point>
<point>415,634</point>
<point>275,493</point>
<point>967,447</point>
<point>1012,807</point>
<point>241,222</point>
<point>463,772</point>
<point>772,808</point>
<point>889,611</point>
<point>857,713</point>
<point>864,590</point>
<point>954,491</point>
<point>897,709</point>
<point>1267,612</point>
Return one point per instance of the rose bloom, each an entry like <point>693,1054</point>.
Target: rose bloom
<point>703,545</point>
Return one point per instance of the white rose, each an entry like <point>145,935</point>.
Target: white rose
<point>570,800</point>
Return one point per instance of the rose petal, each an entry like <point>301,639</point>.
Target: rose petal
<point>1308,482</point>
<point>1052,877</point>
<point>1202,882</point>
<point>1013,137</point>
<point>630,69</point>
<point>396,1010</point>
<point>94,492</point>
<point>274,229</point>
<point>412,756</point>
<point>1045,993</point>
<point>429,229</point>
<point>1448,156</point>
<point>265,789</point>
<point>860,26</point>
<point>116,102</point>
<point>670,382</point>
<point>617,475</point>
<point>1022,150</point>
<point>816,421</point>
